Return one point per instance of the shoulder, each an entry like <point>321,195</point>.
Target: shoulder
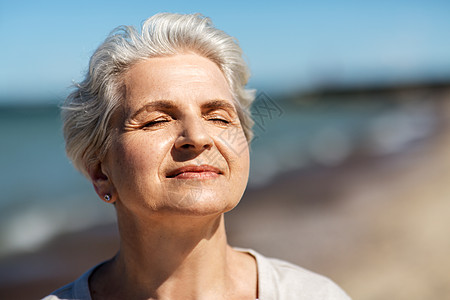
<point>65,292</point>
<point>292,279</point>
<point>79,289</point>
<point>278,279</point>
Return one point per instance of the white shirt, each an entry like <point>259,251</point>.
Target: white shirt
<point>277,280</point>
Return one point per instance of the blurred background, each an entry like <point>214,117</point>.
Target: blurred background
<point>350,169</point>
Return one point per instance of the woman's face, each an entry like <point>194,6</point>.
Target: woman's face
<point>178,145</point>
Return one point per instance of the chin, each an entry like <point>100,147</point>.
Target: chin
<point>200,204</point>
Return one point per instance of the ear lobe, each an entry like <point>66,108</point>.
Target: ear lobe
<point>101,182</point>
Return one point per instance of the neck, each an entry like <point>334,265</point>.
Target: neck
<point>178,257</point>
<point>168,248</point>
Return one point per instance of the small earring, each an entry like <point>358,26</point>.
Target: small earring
<point>107,197</point>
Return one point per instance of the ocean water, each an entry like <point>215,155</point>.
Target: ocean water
<point>42,195</point>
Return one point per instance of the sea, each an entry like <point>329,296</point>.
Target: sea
<point>43,196</point>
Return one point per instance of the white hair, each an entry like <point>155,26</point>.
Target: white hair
<point>88,109</point>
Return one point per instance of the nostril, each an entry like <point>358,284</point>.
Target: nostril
<point>194,137</point>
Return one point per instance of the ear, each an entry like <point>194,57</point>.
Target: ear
<point>102,184</point>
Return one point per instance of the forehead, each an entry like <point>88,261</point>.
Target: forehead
<point>181,77</point>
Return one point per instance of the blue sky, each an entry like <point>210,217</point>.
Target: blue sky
<point>290,45</point>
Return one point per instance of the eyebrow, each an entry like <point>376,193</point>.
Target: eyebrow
<point>219,104</point>
<point>169,105</point>
<point>155,105</point>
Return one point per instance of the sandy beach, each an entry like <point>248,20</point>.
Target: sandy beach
<point>377,226</point>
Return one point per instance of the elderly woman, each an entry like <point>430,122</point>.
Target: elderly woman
<point>158,126</point>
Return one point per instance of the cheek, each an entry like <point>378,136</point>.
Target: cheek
<point>235,146</point>
<point>244,163</point>
<point>234,140</point>
<point>139,155</point>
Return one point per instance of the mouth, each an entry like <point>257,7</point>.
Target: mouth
<point>195,172</point>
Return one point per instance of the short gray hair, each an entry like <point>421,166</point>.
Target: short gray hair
<point>88,109</point>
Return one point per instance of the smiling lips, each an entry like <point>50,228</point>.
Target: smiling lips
<point>195,172</point>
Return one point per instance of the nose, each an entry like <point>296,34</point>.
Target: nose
<point>194,136</point>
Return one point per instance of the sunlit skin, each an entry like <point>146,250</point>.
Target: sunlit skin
<point>178,162</point>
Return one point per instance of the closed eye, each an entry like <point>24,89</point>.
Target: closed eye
<point>219,120</point>
<point>156,123</point>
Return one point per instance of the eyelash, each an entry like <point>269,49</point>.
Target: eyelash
<point>219,120</point>
<point>160,121</point>
<point>157,122</point>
